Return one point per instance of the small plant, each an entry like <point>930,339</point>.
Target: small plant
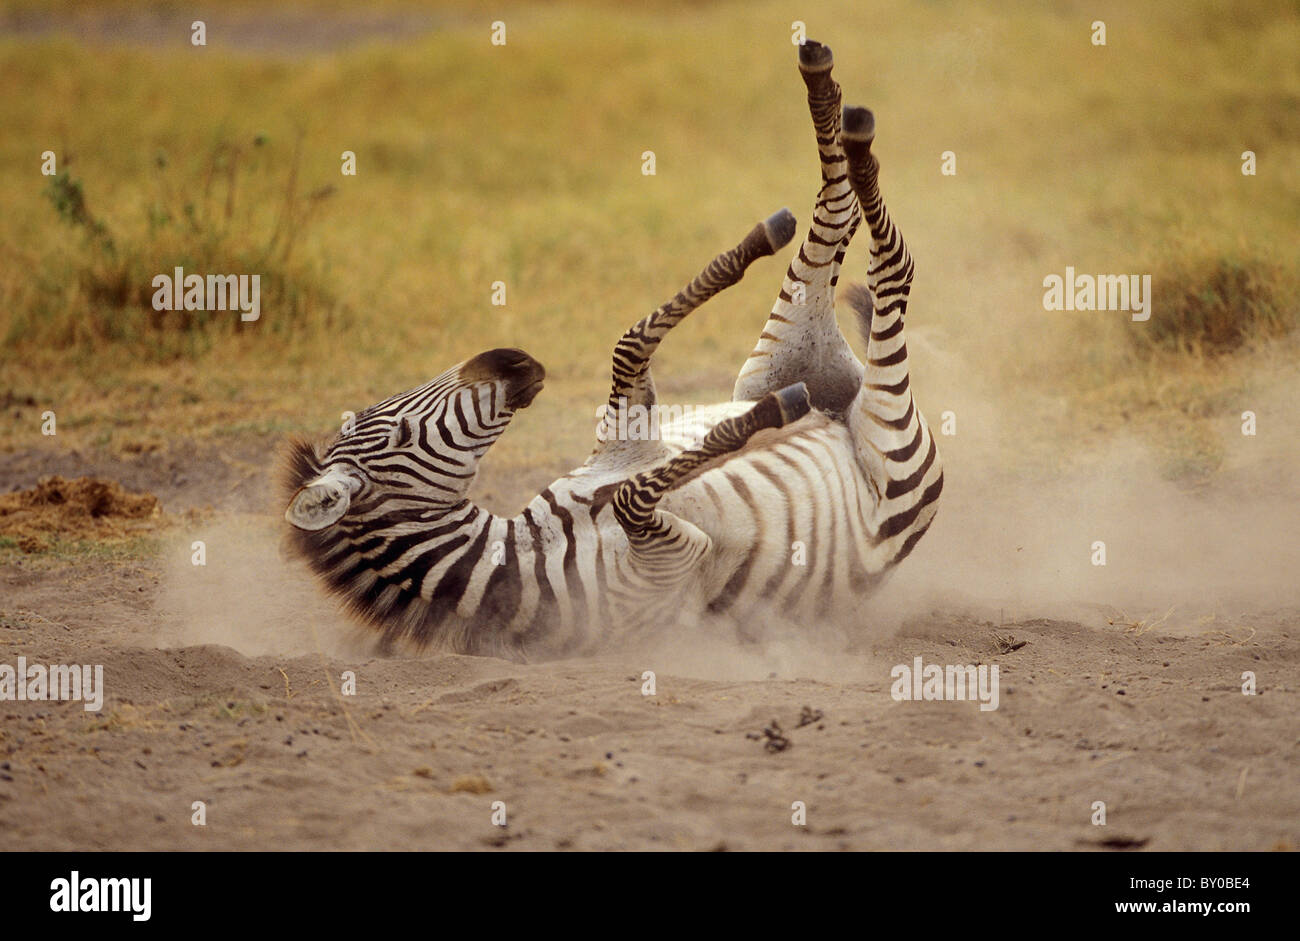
<point>69,201</point>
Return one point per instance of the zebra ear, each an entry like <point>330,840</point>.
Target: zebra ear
<point>320,503</point>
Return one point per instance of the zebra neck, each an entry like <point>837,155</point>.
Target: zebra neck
<point>487,591</point>
<point>461,577</point>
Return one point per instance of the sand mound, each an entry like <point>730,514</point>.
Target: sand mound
<point>87,508</point>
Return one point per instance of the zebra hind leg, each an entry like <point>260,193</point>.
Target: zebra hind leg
<point>893,442</point>
<point>664,547</point>
<point>801,339</point>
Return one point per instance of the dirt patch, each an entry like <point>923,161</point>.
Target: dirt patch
<point>85,508</point>
<point>1153,725</point>
<point>224,474</point>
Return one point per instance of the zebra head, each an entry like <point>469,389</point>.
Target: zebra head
<point>414,453</point>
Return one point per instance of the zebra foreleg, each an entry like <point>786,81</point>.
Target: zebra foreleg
<point>632,383</point>
<point>801,339</point>
<point>663,547</point>
<point>894,444</point>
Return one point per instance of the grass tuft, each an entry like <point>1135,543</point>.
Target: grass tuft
<point>1217,305</point>
<point>228,215</point>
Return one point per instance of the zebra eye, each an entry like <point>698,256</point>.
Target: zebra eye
<point>402,434</point>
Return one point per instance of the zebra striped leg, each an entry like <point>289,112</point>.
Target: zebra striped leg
<point>893,441</point>
<point>632,384</point>
<point>664,547</point>
<point>801,339</point>
<point>889,275</point>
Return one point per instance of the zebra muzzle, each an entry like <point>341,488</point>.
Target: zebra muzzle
<point>521,374</point>
<point>521,390</point>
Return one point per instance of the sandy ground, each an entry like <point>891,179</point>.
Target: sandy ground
<point>223,686</point>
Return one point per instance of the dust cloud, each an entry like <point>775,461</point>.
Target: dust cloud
<point>1007,545</point>
<point>247,596</point>
<point>1011,543</point>
<point>1026,499</point>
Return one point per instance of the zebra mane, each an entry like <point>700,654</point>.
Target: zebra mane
<point>300,462</point>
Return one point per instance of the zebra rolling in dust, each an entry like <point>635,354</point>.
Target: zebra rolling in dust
<point>795,498</point>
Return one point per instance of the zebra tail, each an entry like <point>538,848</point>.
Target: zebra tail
<point>859,298</point>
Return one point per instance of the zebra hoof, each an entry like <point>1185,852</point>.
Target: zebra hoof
<point>814,57</point>
<point>859,124</point>
<point>793,402</point>
<point>779,228</point>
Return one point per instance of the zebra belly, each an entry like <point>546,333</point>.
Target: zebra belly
<point>792,520</point>
<point>792,526</point>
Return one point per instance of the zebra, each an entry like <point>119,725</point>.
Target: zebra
<point>815,451</point>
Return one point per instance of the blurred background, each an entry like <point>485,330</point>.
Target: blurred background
<point>522,163</point>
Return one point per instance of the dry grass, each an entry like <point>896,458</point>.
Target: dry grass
<point>522,164</point>
<point>58,511</point>
<point>1216,304</point>
<point>227,217</point>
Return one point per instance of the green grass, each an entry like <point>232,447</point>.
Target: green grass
<point>522,164</point>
